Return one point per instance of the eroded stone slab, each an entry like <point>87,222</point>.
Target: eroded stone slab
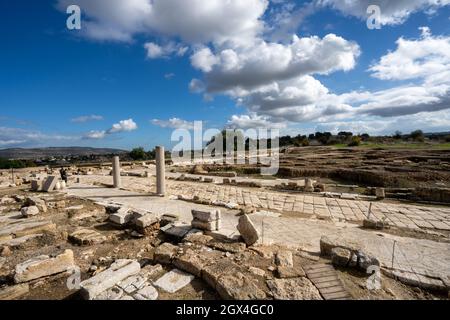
<point>247,230</point>
<point>29,211</point>
<point>14,292</point>
<point>237,286</point>
<point>174,281</point>
<point>122,216</point>
<point>43,266</point>
<point>49,184</point>
<point>293,289</point>
<point>87,237</point>
<point>118,271</point>
<point>147,293</point>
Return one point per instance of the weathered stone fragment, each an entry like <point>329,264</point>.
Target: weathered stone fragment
<point>114,293</point>
<point>14,292</point>
<point>36,185</point>
<point>247,230</point>
<point>340,257</point>
<point>122,216</point>
<point>374,224</point>
<point>290,272</point>
<point>284,258</point>
<point>87,237</point>
<point>132,283</point>
<point>237,286</point>
<point>197,238</point>
<point>29,211</point>
<point>165,253</point>
<point>147,293</point>
<point>35,201</point>
<point>293,289</point>
<point>365,260</point>
<point>118,271</point>
<point>176,232</point>
<point>191,262</point>
<point>233,247</point>
<point>146,221</point>
<point>150,272</point>
<point>208,226</point>
<point>174,280</point>
<point>380,193</point>
<point>49,184</point>
<point>206,216</point>
<point>43,266</point>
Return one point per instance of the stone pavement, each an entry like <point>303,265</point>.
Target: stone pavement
<point>422,259</point>
<point>317,206</point>
<point>400,215</point>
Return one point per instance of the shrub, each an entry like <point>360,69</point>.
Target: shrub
<point>356,141</point>
<point>417,135</point>
<point>138,154</point>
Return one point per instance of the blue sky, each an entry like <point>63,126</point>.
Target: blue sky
<point>105,86</point>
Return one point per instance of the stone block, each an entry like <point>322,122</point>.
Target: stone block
<point>118,271</point>
<point>146,221</point>
<point>147,293</point>
<point>284,258</point>
<point>29,211</point>
<point>114,293</point>
<point>202,225</point>
<point>380,193</point>
<point>290,272</point>
<point>132,284</point>
<point>293,289</point>
<point>340,257</point>
<point>35,201</point>
<point>373,224</point>
<point>192,262</point>
<point>49,184</point>
<point>37,185</point>
<point>14,292</point>
<point>237,286</point>
<point>87,237</point>
<point>43,266</point>
<point>176,232</point>
<point>174,280</point>
<point>122,216</point>
<point>206,216</point>
<point>165,253</point>
<point>247,230</point>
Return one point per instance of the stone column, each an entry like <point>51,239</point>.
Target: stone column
<point>160,172</point>
<point>116,172</point>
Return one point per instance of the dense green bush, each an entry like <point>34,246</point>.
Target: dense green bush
<point>138,154</point>
<point>16,164</point>
<point>356,141</point>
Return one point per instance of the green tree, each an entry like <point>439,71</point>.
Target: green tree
<point>397,135</point>
<point>417,135</point>
<point>138,154</point>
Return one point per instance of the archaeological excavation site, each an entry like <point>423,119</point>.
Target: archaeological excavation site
<point>224,158</point>
<point>322,229</point>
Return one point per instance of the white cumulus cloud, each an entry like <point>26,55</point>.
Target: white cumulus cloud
<point>173,123</point>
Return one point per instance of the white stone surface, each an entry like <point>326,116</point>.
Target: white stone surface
<point>174,281</point>
<point>118,271</point>
<point>147,293</point>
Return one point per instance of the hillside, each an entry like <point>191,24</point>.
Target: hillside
<point>37,153</point>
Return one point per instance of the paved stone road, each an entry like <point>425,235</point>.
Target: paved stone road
<point>400,215</point>
<point>396,214</point>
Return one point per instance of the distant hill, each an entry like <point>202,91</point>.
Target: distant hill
<point>37,153</point>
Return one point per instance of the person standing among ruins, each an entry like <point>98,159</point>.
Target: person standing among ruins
<point>63,174</point>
